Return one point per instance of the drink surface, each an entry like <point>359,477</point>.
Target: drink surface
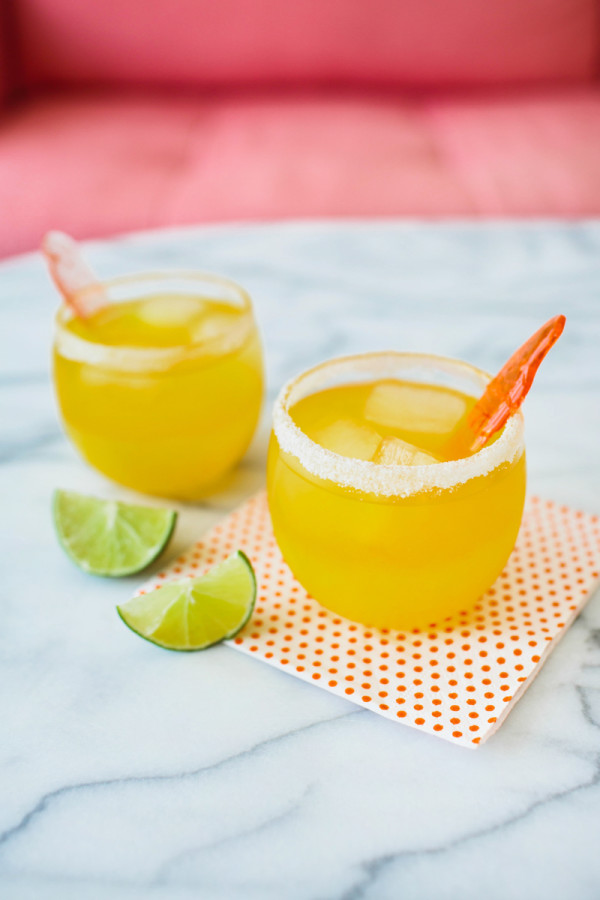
<point>393,561</point>
<point>174,428</point>
<point>162,320</point>
<point>353,419</point>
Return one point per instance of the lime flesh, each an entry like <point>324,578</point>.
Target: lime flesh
<point>195,613</point>
<point>106,537</point>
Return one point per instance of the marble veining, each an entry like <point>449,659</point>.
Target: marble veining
<point>128,772</point>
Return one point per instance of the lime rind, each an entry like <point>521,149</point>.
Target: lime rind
<point>107,537</point>
<point>195,613</point>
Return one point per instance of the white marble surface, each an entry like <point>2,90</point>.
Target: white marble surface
<point>130,772</point>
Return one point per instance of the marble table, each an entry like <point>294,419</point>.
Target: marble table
<point>129,772</point>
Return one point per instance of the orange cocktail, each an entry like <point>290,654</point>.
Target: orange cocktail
<point>160,389</point>
<point>374,508</point>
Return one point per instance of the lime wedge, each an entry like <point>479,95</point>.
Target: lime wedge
<point>198,612</point>
<point>105,537</point>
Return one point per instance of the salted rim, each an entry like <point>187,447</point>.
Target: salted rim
<point>135,359</point>
<point>387,480</point>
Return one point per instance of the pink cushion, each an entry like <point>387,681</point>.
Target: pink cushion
<point>98,166</point>
<point>524,156</point>
<point>410,42</point>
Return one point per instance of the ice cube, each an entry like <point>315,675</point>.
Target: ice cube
<point>214,325</point>
<point>170,311</point>
<point>413,408</point>
<point>348,438</point>
<point>394,452</point>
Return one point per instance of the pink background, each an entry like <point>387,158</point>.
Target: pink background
<point>225,42</point>
<point>128,114</point>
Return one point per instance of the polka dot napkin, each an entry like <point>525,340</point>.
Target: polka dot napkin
<point>457,681</point>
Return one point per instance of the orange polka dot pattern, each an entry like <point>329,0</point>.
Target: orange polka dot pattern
<point>457,680</point>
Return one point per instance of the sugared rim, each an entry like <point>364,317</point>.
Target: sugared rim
<point>133,359</point>
<point>388,480</point>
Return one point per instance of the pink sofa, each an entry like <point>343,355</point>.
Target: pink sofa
<point>126,114</point>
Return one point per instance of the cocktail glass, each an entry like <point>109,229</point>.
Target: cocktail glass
<point>394,546</point>
<point>164,420</point>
